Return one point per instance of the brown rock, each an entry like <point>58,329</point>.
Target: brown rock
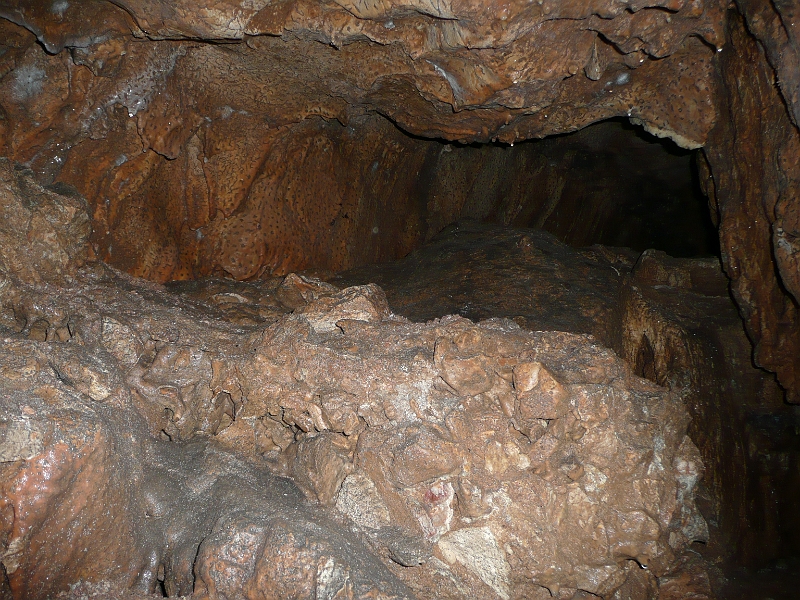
<point>440,482</point>
<point>366,303</point>
<point>205,165</point>
<point>770,313</point>
<point>672,319</point>
<point>194,165</point>
<point>539,394</point>
<point>66,488</point>
<point>676,334</point>
<point>688,579</point>
<point>466,375</point>
<point>321,465</point>
<point>43,233</point>
<point>277,151</point>
<point>93,500</point>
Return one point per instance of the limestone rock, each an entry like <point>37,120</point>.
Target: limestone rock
<point>770,314</point>
<point>96,502</point>
<point>672,319</point>
<point>194,156</point>
<point>434,473</point>
<point>247,140</point>
<point>267,155</point>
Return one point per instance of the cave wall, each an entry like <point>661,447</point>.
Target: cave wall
<point>467,70</point>
<point>671,319</point>
<point>147,439</point>
<point>196,158</point>
<point>223,133</point>
<point>754,157</point>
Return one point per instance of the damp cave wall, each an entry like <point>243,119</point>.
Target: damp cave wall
<point>202,157</point>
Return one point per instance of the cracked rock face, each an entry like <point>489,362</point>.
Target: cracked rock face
<point>194,156</point>
<point>421,52</point>
<point>327,448</point>
<point>43,238</point>
<point>250,139</point>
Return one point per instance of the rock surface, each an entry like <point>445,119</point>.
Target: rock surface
<point>477,460</point>
<point>671,319</point>
<point>194,157</point>
<point>755,153</point>
<point>607,58</point>
<point>192,131</point>
<point>248,138</point>
<point>44,237</point>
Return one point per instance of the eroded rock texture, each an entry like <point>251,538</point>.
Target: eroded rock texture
<point>754,154</point>
<point>386,53</point>
<point>44,237</point>
<point>251,137</point>
<point>196,156</point>
<point>671,319</point>
<point>148,438</point>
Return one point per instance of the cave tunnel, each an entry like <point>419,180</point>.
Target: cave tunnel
<point>399,300</point>
<point>610,183</point>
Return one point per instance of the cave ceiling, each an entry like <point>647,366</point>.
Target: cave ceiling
<point>469,71</point>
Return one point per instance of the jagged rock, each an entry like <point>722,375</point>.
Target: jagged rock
<point>484,454</point>
<point>247,139</point>
<point>435,464</point>
<point>671,319</point>
<point>44,234</point>
<point>767,298</point>
<point>92,498</point>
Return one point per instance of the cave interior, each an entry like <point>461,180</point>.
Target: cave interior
<point>343,299</point>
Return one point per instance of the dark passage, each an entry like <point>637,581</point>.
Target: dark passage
<point>610,183</point>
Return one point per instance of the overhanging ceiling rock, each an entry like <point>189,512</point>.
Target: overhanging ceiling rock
<point>460,70</point>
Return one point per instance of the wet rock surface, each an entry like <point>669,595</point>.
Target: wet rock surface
<point>244,140</point>
<point>415,63</point>
<point>91,496</point>
<point>334,449</point>
<point>680,329</point>
<point>43,237</point>
<point>766,287</point>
